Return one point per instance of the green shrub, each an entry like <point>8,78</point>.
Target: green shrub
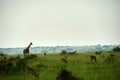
<point>63,52</point>
<point>28,57</point>
<point>110,58</point>
<point>21,64</point>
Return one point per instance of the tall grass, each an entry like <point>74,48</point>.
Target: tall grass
<point>48,67</point>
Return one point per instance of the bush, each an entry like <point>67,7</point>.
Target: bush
<point>10,68</point>
<point>63,52</point>
<point>28,57</point>
<point>110,58</point>
<point>21,64</point>
<point>66,75</point>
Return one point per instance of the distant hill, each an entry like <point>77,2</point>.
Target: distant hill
<point>58,49</point>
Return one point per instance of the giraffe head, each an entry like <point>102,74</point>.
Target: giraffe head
<point>31,43</point>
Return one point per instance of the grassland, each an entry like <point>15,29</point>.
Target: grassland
<point>48,67</point>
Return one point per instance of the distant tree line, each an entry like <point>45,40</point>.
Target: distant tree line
<point>58,49</point>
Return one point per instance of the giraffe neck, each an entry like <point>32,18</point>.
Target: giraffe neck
<point>28,46</point>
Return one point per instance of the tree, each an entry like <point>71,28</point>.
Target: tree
<point>116,49</point>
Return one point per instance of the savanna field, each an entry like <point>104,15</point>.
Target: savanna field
<point>47,67</point>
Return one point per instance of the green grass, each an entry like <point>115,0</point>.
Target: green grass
<point>47,67</point>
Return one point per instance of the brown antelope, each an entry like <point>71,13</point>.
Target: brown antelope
<point>93,58</point>
<point>31,72</point>
<point>3,61</point>
<point>64,60</point>
<point>26,50</point>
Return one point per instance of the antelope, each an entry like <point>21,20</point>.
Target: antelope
<point>93,58</point>
<point>31,72</point>
<point>64,60</point>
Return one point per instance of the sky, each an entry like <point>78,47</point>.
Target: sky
<point>59,22</point>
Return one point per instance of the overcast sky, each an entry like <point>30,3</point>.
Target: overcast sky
<point>59,22</point>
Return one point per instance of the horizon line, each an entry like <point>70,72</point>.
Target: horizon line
<point>64,45</point>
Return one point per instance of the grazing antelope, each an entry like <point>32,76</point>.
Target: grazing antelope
<point>26,50</point>
<point>93,58</point>
<point>31,72</point>
<point>64,60</point>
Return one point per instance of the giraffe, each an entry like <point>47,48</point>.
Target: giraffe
<point>26,50</point>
